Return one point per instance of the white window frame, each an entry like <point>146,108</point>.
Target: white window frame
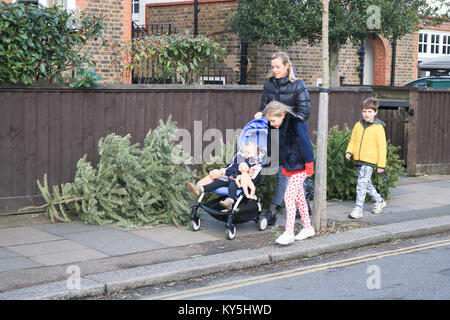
<point>446,44</point>
<point>220,79</point>
<point>434,44</point>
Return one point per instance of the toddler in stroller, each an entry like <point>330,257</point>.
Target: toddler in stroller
<point>243,172</point>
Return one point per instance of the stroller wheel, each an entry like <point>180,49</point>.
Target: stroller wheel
<point>196,225</point>
<point>231,233</point>
<point>262,223</point>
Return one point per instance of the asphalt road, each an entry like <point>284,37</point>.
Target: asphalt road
<point>411,269</point>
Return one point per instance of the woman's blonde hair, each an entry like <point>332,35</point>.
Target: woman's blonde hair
<point>284,57</point>
<point>277,109</point>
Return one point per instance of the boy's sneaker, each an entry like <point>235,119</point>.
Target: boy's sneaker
<point>305,233</point>
<point>356,213</point>
<point>378,206</point>
<point>227,203</point>
<point>285,238</point>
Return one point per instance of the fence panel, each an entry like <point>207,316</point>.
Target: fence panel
<point>47,130</point>
<point>432,131</point>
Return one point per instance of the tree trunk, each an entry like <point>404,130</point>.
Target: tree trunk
<point>320,180</point>
<point>334,63</point>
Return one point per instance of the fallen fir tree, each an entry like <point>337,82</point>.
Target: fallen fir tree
<point>131,186</point>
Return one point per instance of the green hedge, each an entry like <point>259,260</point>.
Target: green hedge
<point>39,44</point>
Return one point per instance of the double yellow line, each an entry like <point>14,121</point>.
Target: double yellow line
<point>219,287</point>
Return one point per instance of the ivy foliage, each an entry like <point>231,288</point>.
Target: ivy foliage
<point>131,186</point>
<point>39,44</point>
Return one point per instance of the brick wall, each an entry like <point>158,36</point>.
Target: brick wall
<point>213,17</point>
<point>116,15</point>
<point>117,18</point>
<point>212,22</point>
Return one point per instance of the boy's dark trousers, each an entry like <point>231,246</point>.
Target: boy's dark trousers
<point>231,184</point>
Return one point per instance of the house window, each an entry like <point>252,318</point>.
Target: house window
<point>423,39</point>
<point>433,43</point>
<point>69,5</point>
<point>135,6</point>
<point>446,44</point>
<point>61,3</point>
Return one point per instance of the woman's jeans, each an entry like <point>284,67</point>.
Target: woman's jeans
<point>280,189</point>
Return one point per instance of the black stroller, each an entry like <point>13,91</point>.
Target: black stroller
<point>244,209</point>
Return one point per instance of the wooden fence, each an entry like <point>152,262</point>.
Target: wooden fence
<point>429,132</point>
<point>48,129</point>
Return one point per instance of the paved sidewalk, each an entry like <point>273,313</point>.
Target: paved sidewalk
<point>41,260</point>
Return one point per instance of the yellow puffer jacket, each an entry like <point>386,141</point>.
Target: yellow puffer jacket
<point>368,143</point>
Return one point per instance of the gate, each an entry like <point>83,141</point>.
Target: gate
<point>394,110</point>
<point>395,115</point>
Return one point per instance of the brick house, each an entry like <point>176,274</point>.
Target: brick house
<point>213,22</point>
<point>214,14</point>
<point>117,18</point>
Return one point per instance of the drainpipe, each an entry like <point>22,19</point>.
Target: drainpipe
<point>361,53</point>
<point>196,10</point>
<point>394,53</point>
<point>244,62</point>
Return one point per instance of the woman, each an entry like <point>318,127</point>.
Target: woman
<point>282,85</point>
<point>297,162</point>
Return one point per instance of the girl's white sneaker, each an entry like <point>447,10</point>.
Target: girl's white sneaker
<point>285,238</point>
<point>305,233</point>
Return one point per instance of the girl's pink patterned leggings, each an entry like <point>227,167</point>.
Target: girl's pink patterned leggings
<point>295,196</point>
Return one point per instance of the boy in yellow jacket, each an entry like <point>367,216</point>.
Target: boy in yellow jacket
<point>368,148</point>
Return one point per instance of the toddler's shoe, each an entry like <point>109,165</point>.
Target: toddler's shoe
<point>197,191</point>
<point>356,213</point>
<point>378,206</point>
<point>227,203</point>
<point>285,238</point>
<point>305,233</point>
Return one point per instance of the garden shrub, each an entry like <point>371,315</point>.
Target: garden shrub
<point>39,44</point>
<point>341,173</point>
<point>175,57</point>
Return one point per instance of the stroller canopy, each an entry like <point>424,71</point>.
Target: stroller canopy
<point>255,131</point>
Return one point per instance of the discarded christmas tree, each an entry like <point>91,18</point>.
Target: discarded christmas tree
<point>131,186</point>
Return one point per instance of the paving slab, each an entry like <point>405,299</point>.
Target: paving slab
<point>36,249</point>
<point>114,242</point>
<point>17,263</point>
<point>68,257</point>
<point>24,235</point>
<point>172,236</point>
<point>62,229</point>
<point>6,253</point>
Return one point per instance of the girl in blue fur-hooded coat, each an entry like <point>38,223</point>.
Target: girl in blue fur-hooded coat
<point>296,158</point>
